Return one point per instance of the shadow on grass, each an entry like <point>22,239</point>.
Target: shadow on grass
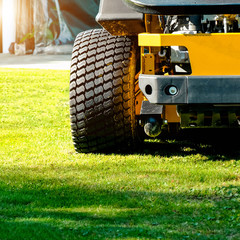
<point>216,144</point>
<point>92,212</point>
<point>186,148</point>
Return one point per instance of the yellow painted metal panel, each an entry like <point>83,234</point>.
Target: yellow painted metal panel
<point>149,63</point>
<point>171,114</point>
<point>148,39</point>
<point>210,54</point>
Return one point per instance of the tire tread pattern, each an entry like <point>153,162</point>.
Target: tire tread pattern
<point>100,105</point>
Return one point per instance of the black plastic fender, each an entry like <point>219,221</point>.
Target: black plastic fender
<point>184,7</point>
<point>118,19</point>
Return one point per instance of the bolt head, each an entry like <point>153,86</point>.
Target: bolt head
<point>173,90</point>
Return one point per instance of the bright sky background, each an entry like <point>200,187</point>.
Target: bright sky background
<point>9,23</point>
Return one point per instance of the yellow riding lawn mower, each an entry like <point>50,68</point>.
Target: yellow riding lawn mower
<point>156,66</point>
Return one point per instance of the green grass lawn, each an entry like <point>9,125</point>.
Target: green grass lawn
<point>47,191</point>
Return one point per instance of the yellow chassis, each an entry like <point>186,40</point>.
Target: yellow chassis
<point>209,54</point>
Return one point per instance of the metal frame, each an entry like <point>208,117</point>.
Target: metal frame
<point>215,76</point>
<point>191,89</point>
<point>210,54</point>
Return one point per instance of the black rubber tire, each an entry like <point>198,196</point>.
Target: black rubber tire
<point>102,92</point>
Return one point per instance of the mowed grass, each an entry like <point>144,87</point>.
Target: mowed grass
<point>47,191</point>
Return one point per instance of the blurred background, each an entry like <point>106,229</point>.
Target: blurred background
<point>44,26</point>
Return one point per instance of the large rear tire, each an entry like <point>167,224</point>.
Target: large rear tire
<point>102,92</point>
